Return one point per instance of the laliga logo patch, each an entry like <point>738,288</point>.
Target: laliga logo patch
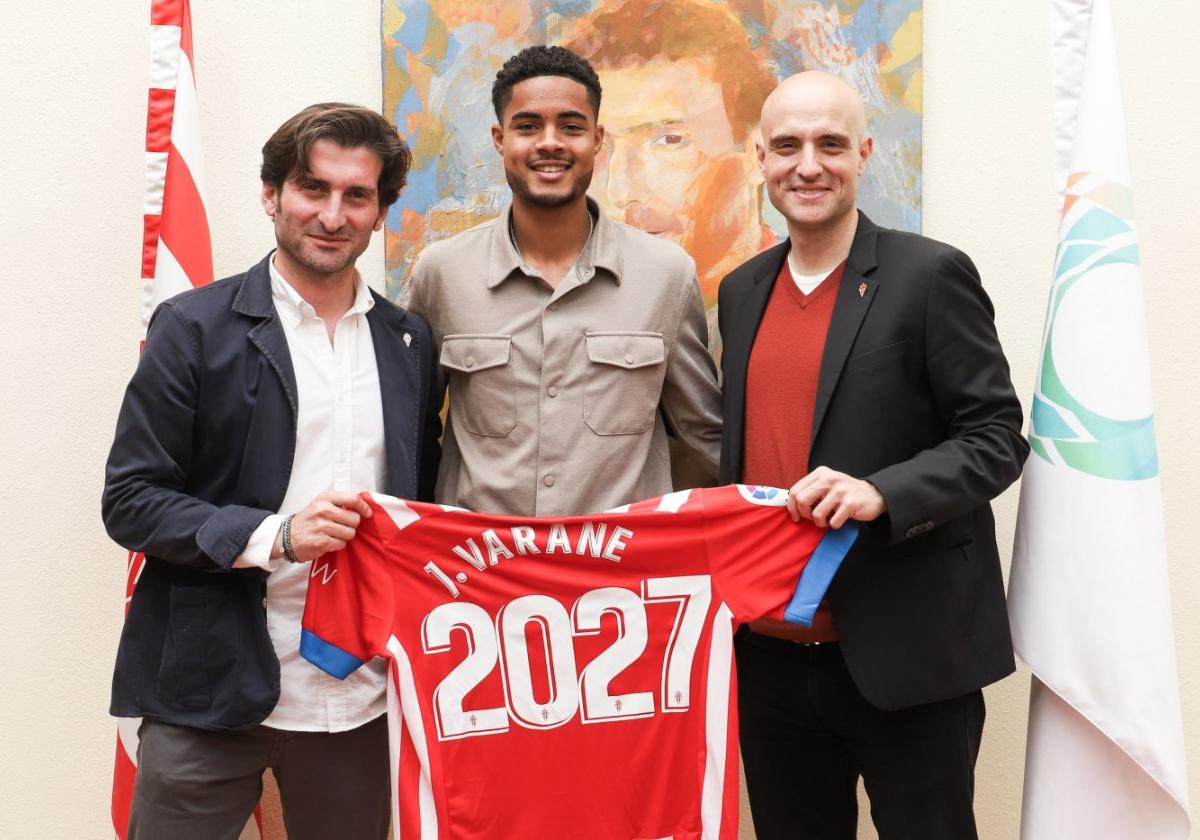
<point>759,494</point>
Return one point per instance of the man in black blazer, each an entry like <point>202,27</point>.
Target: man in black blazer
<point>261,405</point>
<point>865,363</point>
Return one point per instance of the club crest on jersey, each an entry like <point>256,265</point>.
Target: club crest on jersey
<point>760,494</point>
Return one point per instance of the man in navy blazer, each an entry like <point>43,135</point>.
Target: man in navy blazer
<point>262,404</point>
<point>862,369</point>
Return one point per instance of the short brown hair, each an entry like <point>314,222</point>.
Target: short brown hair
<point>626,33</point>
<point>285,155</point>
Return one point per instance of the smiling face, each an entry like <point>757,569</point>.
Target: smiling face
<point>325,217</point>
<point>814,149</point>
<point>548,140</point>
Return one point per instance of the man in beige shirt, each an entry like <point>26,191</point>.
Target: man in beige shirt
<point>570,343</point>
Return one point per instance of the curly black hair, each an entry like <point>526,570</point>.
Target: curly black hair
<point>532,62</point>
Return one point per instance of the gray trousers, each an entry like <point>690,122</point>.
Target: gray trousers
<point>204,785</point>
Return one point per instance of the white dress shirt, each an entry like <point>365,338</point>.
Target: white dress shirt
<point>339,446</point>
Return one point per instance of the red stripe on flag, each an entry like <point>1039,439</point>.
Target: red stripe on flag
<point>185,224</point>
<point>124,774</point>
<point>160,113</point>
<point>137,561</point>
<point>185,37</point>
<point>167,12</point>
<point>150,230</point>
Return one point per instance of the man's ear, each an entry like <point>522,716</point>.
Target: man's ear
<point>599,138</point>
<point>380,219</point>
<point>270,199</point>
<point>753,157</point>
<point>864,153</point>
<point>498,137</point>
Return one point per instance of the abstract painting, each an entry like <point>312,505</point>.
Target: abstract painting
<point>683,82</point>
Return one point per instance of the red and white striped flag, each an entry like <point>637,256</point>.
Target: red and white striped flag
<point>176,249</point>
<point>176,255</point>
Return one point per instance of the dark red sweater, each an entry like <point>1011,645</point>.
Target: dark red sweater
<point>781,391</point>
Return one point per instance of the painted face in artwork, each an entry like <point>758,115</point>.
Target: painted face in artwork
<point>548,140</point>
<point>671,165</point>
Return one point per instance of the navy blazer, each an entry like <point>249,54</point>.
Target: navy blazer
<point>202,454</point>
<point>913,395</point>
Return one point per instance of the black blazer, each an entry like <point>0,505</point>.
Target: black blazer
<point>202,454</point>
<point>914,396</point>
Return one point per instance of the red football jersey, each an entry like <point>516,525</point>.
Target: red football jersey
<point>565,678</point>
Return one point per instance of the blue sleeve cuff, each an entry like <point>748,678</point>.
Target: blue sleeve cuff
<point>814,580</point>
<point>328,657</point>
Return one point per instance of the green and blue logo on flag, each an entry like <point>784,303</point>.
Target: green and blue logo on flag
<point>1092,409</point>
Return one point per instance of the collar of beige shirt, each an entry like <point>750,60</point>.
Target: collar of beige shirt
<point>601,253</point>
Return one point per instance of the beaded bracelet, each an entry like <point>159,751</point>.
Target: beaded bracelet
<point>289,553</point>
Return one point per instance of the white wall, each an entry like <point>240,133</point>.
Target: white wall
<point>73,88</point>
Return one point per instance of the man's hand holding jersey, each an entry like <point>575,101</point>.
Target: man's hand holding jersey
<point>328,522</point>
<point>829,498</point>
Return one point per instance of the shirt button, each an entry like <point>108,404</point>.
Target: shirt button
<point>264,603</point>
<point>628,358</point>
<point>552,391</point>
<point>553,306</point>
<point>548,481</point>
<point>470,361</point>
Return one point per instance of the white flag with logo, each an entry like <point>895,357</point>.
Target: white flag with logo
<point>1088,596</point>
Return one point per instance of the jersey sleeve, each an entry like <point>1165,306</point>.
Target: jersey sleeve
<point>762,563</point>
<point>349,598</point>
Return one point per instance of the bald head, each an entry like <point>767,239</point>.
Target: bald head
<point>814,147</point>
<point>815,92</point>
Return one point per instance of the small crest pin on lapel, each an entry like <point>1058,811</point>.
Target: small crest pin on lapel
<point>407,339</point>
<point>862,289</point>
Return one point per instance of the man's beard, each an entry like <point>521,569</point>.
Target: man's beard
<point>294,243</point>
<point>321,263</point>
<point>520,189</point>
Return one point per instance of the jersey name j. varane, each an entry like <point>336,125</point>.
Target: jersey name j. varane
<point>565,678</point>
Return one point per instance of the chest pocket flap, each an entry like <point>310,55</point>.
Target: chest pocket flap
<point>624,381</point>
<point>483,387</point>
<point>470,353</point>
<point>626,350</point>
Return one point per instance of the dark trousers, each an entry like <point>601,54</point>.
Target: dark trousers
<point>807,735</point>
<point>204,785</point>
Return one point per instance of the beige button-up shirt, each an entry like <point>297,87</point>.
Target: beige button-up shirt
<point>558,396</point>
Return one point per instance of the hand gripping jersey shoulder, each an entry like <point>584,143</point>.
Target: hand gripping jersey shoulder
<point>566,678</point>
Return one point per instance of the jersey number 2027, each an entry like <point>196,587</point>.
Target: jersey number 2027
<point>503,642</point>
